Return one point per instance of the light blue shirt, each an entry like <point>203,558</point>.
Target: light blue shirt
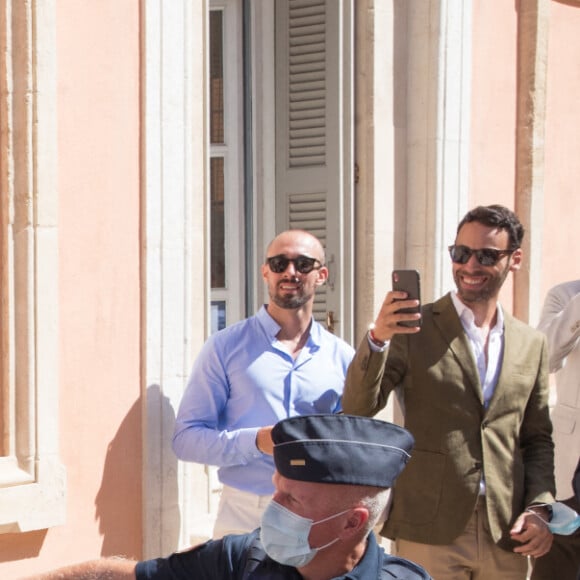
<point>244,379</point>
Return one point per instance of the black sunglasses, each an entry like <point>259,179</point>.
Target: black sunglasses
<point>485,256</point>
<point>303,264</point>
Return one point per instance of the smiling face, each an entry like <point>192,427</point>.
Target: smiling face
<point>291,289</point>
<point>476,283</point>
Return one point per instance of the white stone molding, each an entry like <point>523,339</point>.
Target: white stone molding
<point>438,123</point>
<point>175,264</point>
<point>32,478</point>
<point>533,31</point>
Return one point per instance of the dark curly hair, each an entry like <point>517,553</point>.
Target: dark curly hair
<point>497,216</point>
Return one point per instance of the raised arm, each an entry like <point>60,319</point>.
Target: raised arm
<point>367,389</point>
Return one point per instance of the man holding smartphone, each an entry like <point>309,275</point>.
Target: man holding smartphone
<point>473,383</point>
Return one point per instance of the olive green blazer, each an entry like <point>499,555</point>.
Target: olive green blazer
<point>456,438</point>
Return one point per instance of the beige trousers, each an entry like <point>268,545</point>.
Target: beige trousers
<point>239,512</point>
<point>472,556</point>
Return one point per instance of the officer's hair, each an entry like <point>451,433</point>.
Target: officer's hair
<point>374,499</point>
<point>375,502</point>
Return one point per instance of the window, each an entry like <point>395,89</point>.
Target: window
<point>227,243</point>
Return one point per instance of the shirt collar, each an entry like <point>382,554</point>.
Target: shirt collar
<point>367,566</point>
<point>272,328</point>
<point>466,314</point>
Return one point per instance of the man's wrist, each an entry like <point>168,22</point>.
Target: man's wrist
<point>543,510</point>
<point>376,341</point>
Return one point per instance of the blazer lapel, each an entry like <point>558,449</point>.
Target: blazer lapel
<point>509,362</point>
<point>446,320</point>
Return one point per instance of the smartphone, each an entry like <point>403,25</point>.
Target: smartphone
<point>408,281</point>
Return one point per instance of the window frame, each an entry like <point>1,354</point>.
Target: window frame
<point>32,477</point>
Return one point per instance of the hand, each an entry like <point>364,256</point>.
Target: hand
<point>264,440</point>
<point>386,322</point>
<point>533,533</point>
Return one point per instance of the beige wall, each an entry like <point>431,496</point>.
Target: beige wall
<point>99,189</point>
<point>99,243</point>
<point>493,114</point>
<point>99,227</point>
<point>493,131</point>
<point>560,260</point>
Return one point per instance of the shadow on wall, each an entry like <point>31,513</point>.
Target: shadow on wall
<point>123,529</point>
<point>133,501</point>
<point>162,513</point>
<point>21,546</point>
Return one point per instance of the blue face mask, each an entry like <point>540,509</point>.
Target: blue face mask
<point>565,520</point>
<point>284,535</point>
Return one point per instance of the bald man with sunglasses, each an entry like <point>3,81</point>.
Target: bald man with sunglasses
<point>473,385</point>
<point>276,364</point>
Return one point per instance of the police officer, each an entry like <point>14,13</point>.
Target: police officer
<point>332,478</point>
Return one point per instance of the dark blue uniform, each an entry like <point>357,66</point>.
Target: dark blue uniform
<point>241,557</point>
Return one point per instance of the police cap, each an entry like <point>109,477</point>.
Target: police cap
<point>341,449</point>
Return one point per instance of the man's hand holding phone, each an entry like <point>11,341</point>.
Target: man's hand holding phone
<point>400,312</point>
<point>387,322</point>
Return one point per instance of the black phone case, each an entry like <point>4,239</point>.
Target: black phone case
<point>408,281</point>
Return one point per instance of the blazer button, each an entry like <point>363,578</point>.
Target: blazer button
<point>485,425</point>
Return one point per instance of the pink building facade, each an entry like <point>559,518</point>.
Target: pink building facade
<point>142,143</point>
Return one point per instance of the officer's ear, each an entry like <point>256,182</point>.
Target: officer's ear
<point>355,522</point>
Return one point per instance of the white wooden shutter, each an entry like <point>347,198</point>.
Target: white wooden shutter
<point>314,156</point>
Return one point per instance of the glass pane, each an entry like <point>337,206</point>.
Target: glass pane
<point>216,75</point>
<point>218,315</point>
<point>218,242</point>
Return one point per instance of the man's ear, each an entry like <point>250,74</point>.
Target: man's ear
<point>516,260</point>
<point>357,519</point>
<point>322,276</point>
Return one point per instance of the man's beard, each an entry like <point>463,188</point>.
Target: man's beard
<point>291,301</point>
<point>491,289</point>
